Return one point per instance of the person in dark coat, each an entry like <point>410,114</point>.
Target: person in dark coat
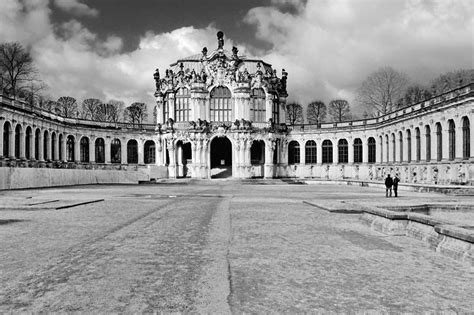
<point>388,185</point>
<point>396,180</point>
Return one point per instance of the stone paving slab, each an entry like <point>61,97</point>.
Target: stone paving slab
<point>219,247</point>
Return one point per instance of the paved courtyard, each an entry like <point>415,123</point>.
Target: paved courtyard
<point>216,247</point>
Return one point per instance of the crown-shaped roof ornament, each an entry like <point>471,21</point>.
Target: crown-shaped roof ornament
<point>220,40</point>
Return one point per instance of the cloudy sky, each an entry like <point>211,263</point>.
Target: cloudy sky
<point>109,48</point>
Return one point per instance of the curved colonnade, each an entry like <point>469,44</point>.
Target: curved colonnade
<point>428,142</point>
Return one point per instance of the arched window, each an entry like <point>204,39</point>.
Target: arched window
<point>400,142</point>
<point>439,142</point>
<point>28,136</point>
<point>327,151</point>
<point>45,146</point>
<point>276,110</point>
<point>182,105</point>
<point>418,144</point>
<point>452,139</point>
<point>53,145</point>
<point>132,152</point>
<point>257,109</point>
<point>387,154</point>
<point>343,151</point>
<point>6,139</point>
<point>393,148</point>
<point>357,150</point>
<point>310,152</point>
<point>17,140</point>
<point>70,149</point>
<point>166,108</point>
<point>84,149</point>
<point>220,104</point>
<point>149,152</point>
<point>466,141</point>
<point>428,142</point>
<point>409,145</point>
<point>37,143</point>
<point>371,146</point>
<point>116,151</point>
<point>293,152</point>
<point>99,150</point>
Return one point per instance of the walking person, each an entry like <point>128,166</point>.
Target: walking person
<point>396,180</point>
<point>388,185</point>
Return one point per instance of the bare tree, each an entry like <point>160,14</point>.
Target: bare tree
<point>451,80</point>
<point>381,90</point>
<point>66,106</point>
<point>135,114</point>
<point>16,68</point>
<point>316,112</point>
<point>91,108</point>
<point>294,114</point>
<point>111,111</point>
<point>339,110</point>
<point>413,94</point>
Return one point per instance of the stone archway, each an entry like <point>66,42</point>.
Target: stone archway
<point>221,158</point>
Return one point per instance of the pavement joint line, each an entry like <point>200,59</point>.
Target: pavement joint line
<point>43,202</point>
<point>79,204</point>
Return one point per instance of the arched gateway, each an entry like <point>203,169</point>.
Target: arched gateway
<point>221,157</point>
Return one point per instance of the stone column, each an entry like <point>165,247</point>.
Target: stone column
<point>159,110</point>
<point>350,148</point>
<point>22,145</point>
<point>91,149</point>
<point>319,152</point>
<point>365,151</point>
<point>335,153</point>
<point>107,157</point>
<point>172,105</point>
<point>141,148</point>
<point>48,147</point>
<point>64,146</point>
<point>434,144</point>
<point>282,109</point>
<point>172,154</point>
<point>459,136</point>
<point>123,151</point>
<point>422,144</point>
<point>40,146</point>
<point>378,150</point>
<point>445,142</point>
<point>159,152</point>
<point>77,148</point>
<point>56,156</point>
<point>11,142</point>
<point>179,162</point>
<point>32,145</point>
<point>302,154</point>
<point>269,151</point>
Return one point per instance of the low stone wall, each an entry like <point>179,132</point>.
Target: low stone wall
<point>18,178</point>
<point>442,236</point>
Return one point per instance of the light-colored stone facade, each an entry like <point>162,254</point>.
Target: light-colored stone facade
<point>223,95</point>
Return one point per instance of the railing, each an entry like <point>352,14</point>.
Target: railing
<point>432,102</point>
<point>410,109</point>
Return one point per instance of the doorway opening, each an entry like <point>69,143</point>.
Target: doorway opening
<point>221,158</point>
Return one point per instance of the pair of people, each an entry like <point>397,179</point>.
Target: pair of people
<point>389,183</point>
